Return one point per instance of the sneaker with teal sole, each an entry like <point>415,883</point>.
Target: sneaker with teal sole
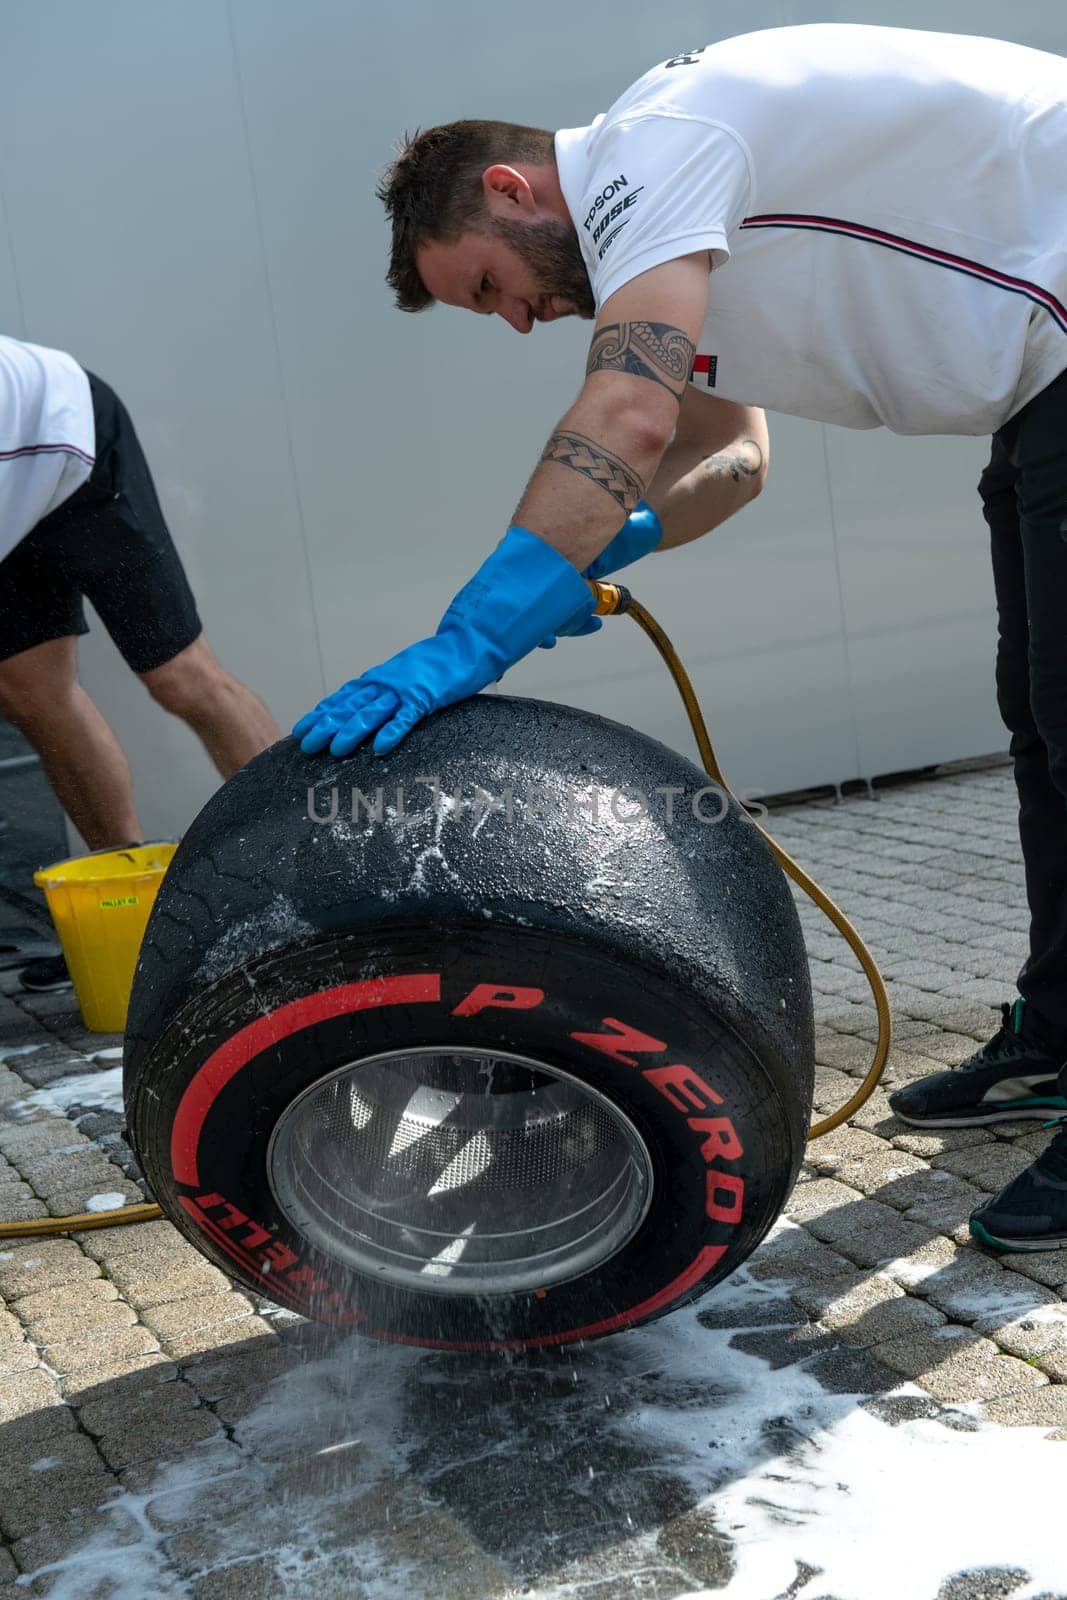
<point>1011,1079</point>
<point>1030,1213</point>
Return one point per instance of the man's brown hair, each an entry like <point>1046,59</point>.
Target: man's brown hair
<point>433,190</point>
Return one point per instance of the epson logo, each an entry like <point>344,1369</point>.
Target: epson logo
<point>605,195</point>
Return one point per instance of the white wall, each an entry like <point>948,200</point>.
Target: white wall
<point>186,203</point>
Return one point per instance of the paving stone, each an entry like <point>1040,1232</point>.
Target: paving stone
<point>35,1428</point>
<point>842,1050</point>
<point>842,1146</point>
<point>204,1311</point>
<point>78,1298</point>
<point>1039,1337</point>
<point>879,1173</point>
<point>22,1393</point>
<point>873,1310</point>
<point>107,1347</point>
<point>27,1141</point>
<point>1043,1266</point>
<point>989,1167</point>
<point>48,1066</point>
<point>251,1365</point>
<point>45,1482</point>
<point>17,1355</point>
<point>144,1285</point>
<point>18,1203</point>
<point>947,1217</point>
<point>66,1538</point>
<point>818,1197</point>
<point>922,1185</point>
<point>67,1170</point>
<point>832,1089</point>
<point>955,1364</point>
<point>158,1239</point>
<point>118,1409</point>
<point>12,1087</point>
<point>215,1465</point>
<point>200,1341</point>
<point>257,1579</point>
<point>867,1232</point>
<point>161,1439</point>
<point>1041,1408</point>
<point>73,1202</point>
<point>125,1380</point>
<point>875,1116</point>
<point>99,1322</point>
<point>40,1264</point>
<point>966,1284</point>
<point>937,1141</point>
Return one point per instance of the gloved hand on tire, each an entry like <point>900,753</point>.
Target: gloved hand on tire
<point>526,593</point>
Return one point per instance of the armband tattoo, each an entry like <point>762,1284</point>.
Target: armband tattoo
<point>645,350</point>
<point>599,465</point>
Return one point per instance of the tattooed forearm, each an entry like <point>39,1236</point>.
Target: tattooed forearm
<point>744,461</point>
<point>593,461</point>
<point>646,350</point>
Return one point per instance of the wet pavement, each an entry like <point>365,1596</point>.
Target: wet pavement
<point>871,1407</point>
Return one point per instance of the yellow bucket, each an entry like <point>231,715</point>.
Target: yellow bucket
<point>100,905</point>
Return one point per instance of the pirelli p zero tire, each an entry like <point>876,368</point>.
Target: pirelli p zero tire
<point>503,1040</point>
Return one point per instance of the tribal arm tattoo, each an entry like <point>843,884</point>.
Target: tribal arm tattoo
<point>745,461</point>
<point>599,465</point>
<point>645,350</point>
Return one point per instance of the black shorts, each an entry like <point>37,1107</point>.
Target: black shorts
<point>107,544</point>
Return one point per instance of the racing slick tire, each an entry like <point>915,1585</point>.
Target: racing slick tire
<point>503,1040</point>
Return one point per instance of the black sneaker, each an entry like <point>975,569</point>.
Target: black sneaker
<point>41,977</point>
<point>1031,1212</point>
<point>1011,1078</point>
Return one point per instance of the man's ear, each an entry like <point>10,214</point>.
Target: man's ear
<point>506,190</point>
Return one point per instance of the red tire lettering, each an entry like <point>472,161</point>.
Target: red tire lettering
<point>730,1183</point>
<point>625,1038</point>
<point>230,1218</point>
<point>255,1237</point>
<point>688,1084</point>
<point>279,1258</point>
<point>722,1143</point>
<point>487,994</point>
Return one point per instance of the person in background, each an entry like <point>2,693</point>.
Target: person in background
<point>80,519</point>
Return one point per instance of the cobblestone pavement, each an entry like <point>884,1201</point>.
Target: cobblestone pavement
<point>162,1434</point>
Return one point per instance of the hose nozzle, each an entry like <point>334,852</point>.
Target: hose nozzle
<point>612,600</point>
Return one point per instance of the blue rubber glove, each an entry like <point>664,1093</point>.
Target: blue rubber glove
<point>524,590</point>
<point>639,535</point>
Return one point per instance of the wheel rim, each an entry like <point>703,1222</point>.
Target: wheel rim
<point>471,1173</point>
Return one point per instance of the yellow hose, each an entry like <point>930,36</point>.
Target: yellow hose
<point>612,599</point>
<point>40,1226</point>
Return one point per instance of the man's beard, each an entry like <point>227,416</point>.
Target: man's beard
<point>552,252</point>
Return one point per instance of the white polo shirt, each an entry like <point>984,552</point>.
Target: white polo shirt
<point>47,435</point>
<point>886,212</point>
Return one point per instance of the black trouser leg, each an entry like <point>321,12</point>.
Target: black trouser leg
<point>1024,493</point>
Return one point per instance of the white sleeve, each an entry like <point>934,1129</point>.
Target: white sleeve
<point>660,186</point>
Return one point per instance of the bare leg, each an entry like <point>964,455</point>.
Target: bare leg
<point>81,757</point>
<point>231,722</point>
